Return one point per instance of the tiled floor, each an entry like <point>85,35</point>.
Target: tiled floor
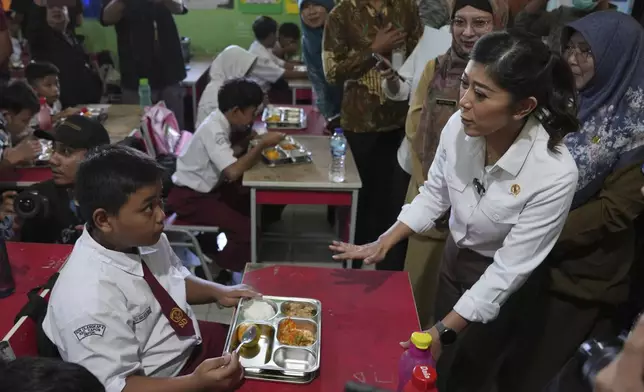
<point>295,221</point>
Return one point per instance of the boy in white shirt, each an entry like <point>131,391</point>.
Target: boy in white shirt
<point>121,305</point>
<point>208,189</point>
<point>43,78</point>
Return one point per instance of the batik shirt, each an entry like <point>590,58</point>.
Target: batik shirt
<point>350,29</point>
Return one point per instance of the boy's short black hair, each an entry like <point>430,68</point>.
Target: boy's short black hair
<point>27,374</point>
<point>18,96</point>
<point>37,70</point>
<point>109,174</point>
<point>239,93</point>
<point>263,27</point>
<point>289,30</point>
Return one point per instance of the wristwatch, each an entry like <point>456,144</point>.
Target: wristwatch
<point>446,335</point>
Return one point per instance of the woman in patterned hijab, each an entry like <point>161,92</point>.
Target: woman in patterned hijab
<point>438,94</point>
<point>589,270</point>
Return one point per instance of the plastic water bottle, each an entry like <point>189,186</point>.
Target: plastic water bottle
<point>145,93</point>
<point>7,284</point>
<point>418,354</point>
<point>44,115</point>
<point>338,144</point>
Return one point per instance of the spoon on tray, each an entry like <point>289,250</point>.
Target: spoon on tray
<point>249,335</point>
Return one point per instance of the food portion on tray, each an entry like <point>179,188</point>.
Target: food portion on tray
<point>287,346</point>
<point>284,117</point>
<point>289,151</point>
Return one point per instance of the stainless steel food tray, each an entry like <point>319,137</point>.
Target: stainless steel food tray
<point>284,117</point>
<point>271,360</point>
<point>290,152</point>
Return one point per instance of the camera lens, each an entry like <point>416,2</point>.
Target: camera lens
<point>26,206</point>
<point>595,355</point>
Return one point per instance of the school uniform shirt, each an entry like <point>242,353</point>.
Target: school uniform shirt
<point>208,153</point>
<point>102,313</point>
<point>262,51</point>
<point>512,211</point>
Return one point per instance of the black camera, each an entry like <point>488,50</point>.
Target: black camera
<point>594,355</point>
<point>30,204</point>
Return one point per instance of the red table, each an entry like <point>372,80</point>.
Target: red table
<point>24,177</point>
<point>365,314</point>
<point>32,265</point>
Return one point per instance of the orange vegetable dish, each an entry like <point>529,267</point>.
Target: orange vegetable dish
<point>290,335</point>
<point>273,155</point>
<point>288,146</point>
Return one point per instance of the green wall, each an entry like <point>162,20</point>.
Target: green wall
<point>210,31</point>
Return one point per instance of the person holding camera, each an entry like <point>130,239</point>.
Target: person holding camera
<point>46,212</point>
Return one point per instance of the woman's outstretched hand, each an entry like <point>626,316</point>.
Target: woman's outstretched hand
<point>371,253</point>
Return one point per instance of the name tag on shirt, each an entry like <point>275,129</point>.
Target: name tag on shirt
<point>446,102</point>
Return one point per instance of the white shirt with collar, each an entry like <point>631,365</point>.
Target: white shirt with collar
<point>103,315</point>
<point>201,164</point>
<point>262,51</point>
<point>517,218</point>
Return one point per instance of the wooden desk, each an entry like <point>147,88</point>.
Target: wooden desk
<point>32,265</point>
<point>304,184</point>
<point>121,120</point>
<point>364,316</point>
<point>196,80</point>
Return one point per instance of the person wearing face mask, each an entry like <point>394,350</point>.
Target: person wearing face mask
<point>590,268</point>
<point>433,102</point>
<point>501,168</point>
<point>537,20</point>
<point>52,41</point>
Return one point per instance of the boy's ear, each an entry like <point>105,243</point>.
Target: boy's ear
<point>101,220</point>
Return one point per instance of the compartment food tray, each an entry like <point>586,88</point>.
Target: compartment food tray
<point>288,152</point>
<point>272,360</point>
<point>284,117</point>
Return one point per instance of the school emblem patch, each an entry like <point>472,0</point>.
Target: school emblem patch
<point>179,317</point>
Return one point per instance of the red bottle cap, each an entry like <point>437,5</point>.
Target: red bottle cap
<point>42,100</point>
<point>424,378</point>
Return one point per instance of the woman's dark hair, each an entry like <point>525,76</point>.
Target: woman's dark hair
<point>523,65</point>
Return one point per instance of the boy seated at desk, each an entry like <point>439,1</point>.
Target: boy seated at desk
<point>121,305</point>
<point>43,78</point>
<point>208,181</point>
<point>18,104</point>
<point>288,42</point>
<point>59,223</point>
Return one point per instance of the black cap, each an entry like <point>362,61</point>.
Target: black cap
<point>77,132</point>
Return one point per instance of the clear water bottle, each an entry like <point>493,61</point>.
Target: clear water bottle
<point>145,93</point>
<point>338,144</point>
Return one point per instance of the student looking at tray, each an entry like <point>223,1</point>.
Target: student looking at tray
<point>122,305</point>
<point>208,189</point>
<point>509,181</point>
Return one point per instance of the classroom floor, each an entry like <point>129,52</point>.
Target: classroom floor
<point>295,219</point>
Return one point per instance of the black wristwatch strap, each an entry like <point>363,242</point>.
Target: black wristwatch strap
<point>446,335</point>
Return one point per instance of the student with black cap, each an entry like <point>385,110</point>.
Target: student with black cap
<point>60,221</point>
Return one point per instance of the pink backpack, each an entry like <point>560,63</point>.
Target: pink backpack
<point>163,131</point>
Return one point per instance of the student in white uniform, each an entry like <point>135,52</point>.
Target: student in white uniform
<point>208,187</point>
<point>501,168</point>
<point>121,305</point>
<point>235,62</point>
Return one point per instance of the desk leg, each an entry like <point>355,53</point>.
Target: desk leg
<point>294,92</point>
<point>352,222</point>
<point>253,225</point>
<point>195,102</point>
